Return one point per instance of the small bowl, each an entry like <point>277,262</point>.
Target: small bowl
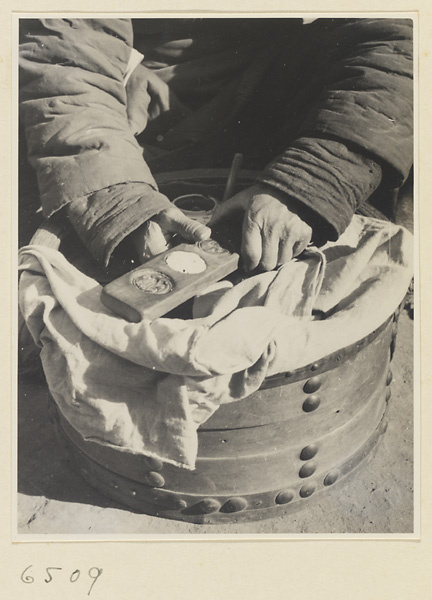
<point>196,206</point>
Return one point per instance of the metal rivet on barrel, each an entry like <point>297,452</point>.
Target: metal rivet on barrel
<point>383,426</point>
<point>315,367</point>
<point>155,464</point>
<point>309,452</point>
<point>210,505</point>
<point>388,394</point>
<point>180,504</point>
<point>284,497</point>
<point>133,492</point>
<point>389,378</point>
<point>307,470</point>
<point>331,478</point>
<point>312,385</point>
<point>155,479</point>
<point>311,403</point>
<point>307,490</point>
<point>234,505</point>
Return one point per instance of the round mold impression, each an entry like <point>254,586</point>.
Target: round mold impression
<point>185,262</point>
<point>212,247</point>
<point>153,282</point>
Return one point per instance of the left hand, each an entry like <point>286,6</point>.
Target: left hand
<point>272,234</point>
<point>148,97</point>
<point>155,235</point>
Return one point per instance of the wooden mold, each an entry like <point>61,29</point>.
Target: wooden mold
<point>168,280</point>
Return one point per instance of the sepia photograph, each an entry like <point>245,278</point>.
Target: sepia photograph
<point>216,224</point>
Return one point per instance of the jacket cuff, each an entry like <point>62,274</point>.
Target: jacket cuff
<point>326,179</point>
<point>105,218</point>
<point>87,172</point>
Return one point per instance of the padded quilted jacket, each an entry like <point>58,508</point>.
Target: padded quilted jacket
<point>322,112</point>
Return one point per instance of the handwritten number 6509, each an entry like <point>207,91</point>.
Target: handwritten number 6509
<point>94,573</point>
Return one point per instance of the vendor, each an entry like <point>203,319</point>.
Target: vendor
<point>322,111</point>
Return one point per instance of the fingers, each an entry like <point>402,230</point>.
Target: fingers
<point>155,235</point>
<point>264,250</point>
<point>149,241</point>
<point>154,241</point>
<point>251,246</point>
<point>301,245</point>
<point>272,237</point>
<point>286,251</point>
<point>172,220</point>
<point>271,234</point>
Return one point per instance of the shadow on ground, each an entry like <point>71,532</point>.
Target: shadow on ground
<point>44,466</point>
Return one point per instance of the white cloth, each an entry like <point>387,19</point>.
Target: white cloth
<point>146,387</point>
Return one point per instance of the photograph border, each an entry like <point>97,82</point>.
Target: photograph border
<point>396,578</point>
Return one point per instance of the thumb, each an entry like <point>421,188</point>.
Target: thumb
<point>173,220</point>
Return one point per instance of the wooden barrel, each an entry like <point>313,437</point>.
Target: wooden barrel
<point>302,432</point>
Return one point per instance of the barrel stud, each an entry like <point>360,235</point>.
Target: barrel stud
<point>307,470</point>
<point>331,478</point>
<point>308,452</point>
<point>311,403</point>
<point>155,479</point>
<point>307,490</point>
<point>284,497</point>
<point>312,385</point>
<point>234,505</point>
<point>210,505</point>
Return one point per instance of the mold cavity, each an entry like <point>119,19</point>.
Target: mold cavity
<point>185,262</point>
<point>153,282</point>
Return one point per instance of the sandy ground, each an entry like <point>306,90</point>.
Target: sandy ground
<point>376,498</point>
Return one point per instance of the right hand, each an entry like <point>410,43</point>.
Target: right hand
<point>272,232</point>
<point>154,236</point>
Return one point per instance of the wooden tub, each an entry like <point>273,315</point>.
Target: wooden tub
<point>301,433</point>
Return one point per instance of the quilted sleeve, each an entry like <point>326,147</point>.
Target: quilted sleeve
<point>357,132</point>
<point>73,107</point>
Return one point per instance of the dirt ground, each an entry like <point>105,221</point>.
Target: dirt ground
<point>376,498</point>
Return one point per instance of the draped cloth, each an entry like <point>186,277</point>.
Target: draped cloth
<point>146,387</point>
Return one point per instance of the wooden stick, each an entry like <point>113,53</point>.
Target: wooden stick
<point>232,177</point>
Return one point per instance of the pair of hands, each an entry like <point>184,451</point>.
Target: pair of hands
<point>272,234</point>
